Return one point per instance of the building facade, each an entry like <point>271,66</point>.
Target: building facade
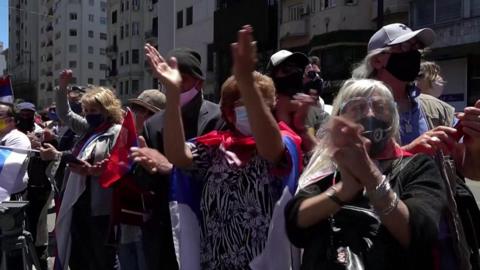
<point>229,17</point>
<point>3,61</point>
<point>165,25</point>
<point>74,36</point>
<point>22,58</point>
<point>336,31</point>
<point>456,48</point>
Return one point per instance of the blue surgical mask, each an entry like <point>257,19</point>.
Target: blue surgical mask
<point>241,123</point>
<point>95,120</point>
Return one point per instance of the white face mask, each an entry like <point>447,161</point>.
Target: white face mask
<point>186,97</point>
<point>241,121</point>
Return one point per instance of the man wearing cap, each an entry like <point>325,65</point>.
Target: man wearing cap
<point>287,70</point>
<point>425,121</point>
<point>145,105</point>
<point>199,117</point>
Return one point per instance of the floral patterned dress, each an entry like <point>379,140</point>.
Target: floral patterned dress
<point>236,205</point>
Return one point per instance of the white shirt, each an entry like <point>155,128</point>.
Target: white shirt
<point>18,140</point>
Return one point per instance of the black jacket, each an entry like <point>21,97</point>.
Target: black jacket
<point>199,117</point>
<point>418,185</point>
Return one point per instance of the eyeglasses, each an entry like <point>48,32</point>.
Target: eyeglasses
<point>359,107</point>
<point>409,45</point>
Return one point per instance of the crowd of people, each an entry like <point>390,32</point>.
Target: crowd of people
<point>269,178</point>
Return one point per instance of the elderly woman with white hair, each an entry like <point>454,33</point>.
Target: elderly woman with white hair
<point>363,202</point>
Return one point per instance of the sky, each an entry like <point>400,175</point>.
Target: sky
<point>4,22</point>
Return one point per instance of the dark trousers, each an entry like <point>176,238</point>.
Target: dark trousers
<point>92,247</point>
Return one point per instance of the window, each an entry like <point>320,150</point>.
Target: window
<point>90,34</point>
<point>122,6</point>
<point>312,6</point>
<point>121,59</point>
<point>155,27</point>
<point>72,64</point>
<point>91,18</point>
<point>90,49</point>
<point>210,57</point>
<point>295,12</point>
<point>114,17</point>
<point>73,16</point>
<point>179,19</point>
<point>103,51</point>
<point>103,36</point>
<point>58,66</point>
<point>351,2</point>
<point>127,5</point>
<point>328,4</point>
<point>135,4</point>
<point>475,5</point>
<point>135,28</point>
<point>135,57</point>
<point>90,65</point>
<point>103,20</point>
<point>91,2</point>
<point>127,57</point>
<point>121,88</point>
<point>429,12</point>
<point>73,32</point>
<point>127,30</point>
<point>72,48</point>
<point>135,86</point>
<point>103,6</point>
<point>103,66</point>
<point>103,83</point>
<point>121,32</point>
<point>189,16</point>
<point>90,80</point>
<point>126,87</point>
<point>58,35</point>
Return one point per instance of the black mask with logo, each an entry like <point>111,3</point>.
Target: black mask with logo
<point>404,66</point>
<point>289,85</point>
<point>376,131</point>
<point>25,124</point>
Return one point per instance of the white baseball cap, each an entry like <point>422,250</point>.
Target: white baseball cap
<point>282,55</point>
<point>397,33</point>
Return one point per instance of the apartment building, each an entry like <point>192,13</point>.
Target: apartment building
<point>337,31</point>
<point>3,62</point>
<point>164,24</point>
<point>22,58</point>
<point>456,48</point>
<point>74,36</point>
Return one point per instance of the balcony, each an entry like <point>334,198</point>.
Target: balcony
<point>112,50</point>
<point>296,28</point>
<point>49,58</point>
<point>49,74</point>
<point>49,43</point>
<point>49,28</point>
<point>50,12</point>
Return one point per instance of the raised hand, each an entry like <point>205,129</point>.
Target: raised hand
<point>439,138</point>
<point>150,159</point>
<point>165,71</point>
<point>65,78</point>
<point>244,53</point>
<point>48,152</point>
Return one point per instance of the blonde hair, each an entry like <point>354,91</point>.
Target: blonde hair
<point>230,92</point>
<point>321,159</point>
<point>104,97</point>
<point>430,72</point>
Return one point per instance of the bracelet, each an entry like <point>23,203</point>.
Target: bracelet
<point>333,196</point>
<point>380,191</point>
<point>393,205</point>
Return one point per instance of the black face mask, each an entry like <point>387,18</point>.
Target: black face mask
<point>315,84</point>
<point>25,124</point>
<point>404,66</point>
<point>290,84</point>
<point>76,107</point>
<point>376,131</point>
